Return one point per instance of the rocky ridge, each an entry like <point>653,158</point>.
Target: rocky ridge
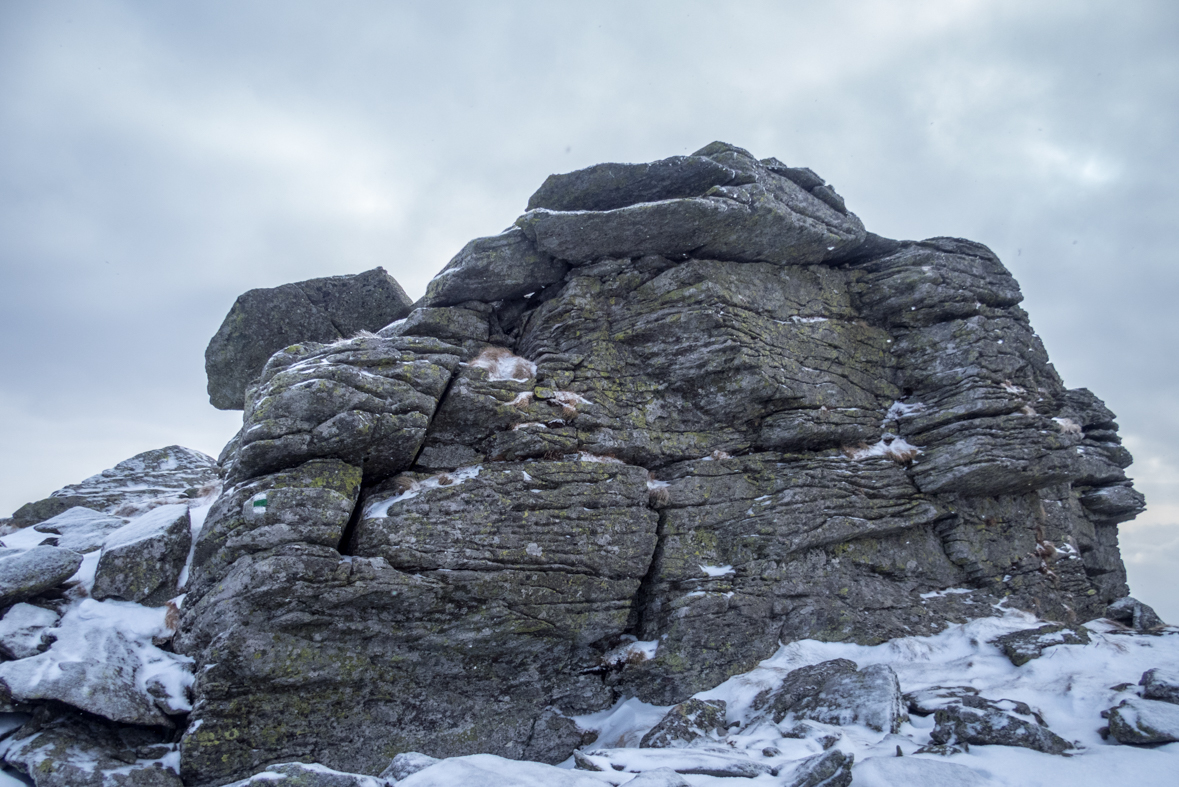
<point>678,414</point>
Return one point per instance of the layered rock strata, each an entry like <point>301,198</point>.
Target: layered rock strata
<point>679,413</point>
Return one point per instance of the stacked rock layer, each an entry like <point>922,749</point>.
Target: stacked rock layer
<point>679,413</point>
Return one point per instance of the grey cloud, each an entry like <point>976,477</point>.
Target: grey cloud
<point>158,159</point>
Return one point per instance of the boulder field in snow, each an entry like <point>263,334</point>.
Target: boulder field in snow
<point>678,414</point>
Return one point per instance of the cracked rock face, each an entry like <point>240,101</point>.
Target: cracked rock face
<point>679,413</point>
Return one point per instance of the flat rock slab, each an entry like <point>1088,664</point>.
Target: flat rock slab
<point>502,266</point>
<point>25,574</point>
<point>142,560</point>
<point>1023,646</point>
<point>1143,722</point>
<point>263,321</point>
<point>871,697</point>
<point>832,768</point>
<point>609,186</point>
<point>80,529</point>
<point>991,726</point>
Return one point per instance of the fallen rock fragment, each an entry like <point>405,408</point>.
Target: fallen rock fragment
<point>1142,722</point>
<point>1023,646</point>
<point>142,561</point>
<point>832,768</point>
<point>264,321</point>
<point>805,682</point>
<point>94,666</point>
<point>685,723</point>
<point>871,697</point>
<point>993,726</point>
<point>1133,613</point>
<point>1160,683</point>
<point>25,573</point>
<point>80,529</point>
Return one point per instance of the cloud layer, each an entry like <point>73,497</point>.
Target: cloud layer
<point>156,160</point>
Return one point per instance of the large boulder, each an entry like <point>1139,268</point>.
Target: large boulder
<point>681,413</point>
<point>263,321</point>
<point>162,476</point>
<point>142,561</point>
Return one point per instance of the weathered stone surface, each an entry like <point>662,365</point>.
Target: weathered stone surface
<point>142,560</point>
<point>1023,646</point>
<point>1145,721</point>
<point>724,417</point>
<point>40,510</point>
<point>609,186</point>
<point>990,725</point>
<point>365,401</point>
<point>309,504</point>
<point>162,476</point>
<point>263,321</point>
<point>79,529</point>
<point>687,722</point>
<point>72,750</point>
<point>456,326</point>
<point>25,573</point>
<point>502,266</point>
<point>21,629</point>
<point>762,217</point>
<point>871,696</point>
<point>1160,683</point>
<point>832,768</point>
<point>805,682</point>
<point>1133,613</point>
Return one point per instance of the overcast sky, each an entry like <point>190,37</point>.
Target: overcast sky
<point>158,159</point>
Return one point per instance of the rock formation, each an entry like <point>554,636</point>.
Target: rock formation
<point>692,406</point>
<point>676,415</point>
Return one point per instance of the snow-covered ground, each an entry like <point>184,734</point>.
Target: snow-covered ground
<point>1069,685</point>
